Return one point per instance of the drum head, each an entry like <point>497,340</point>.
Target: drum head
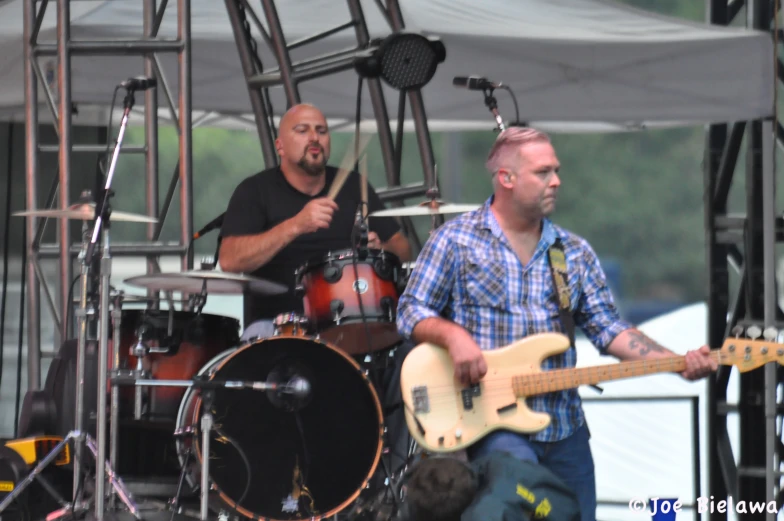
<point>309,457</point>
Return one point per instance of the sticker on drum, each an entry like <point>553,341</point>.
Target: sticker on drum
<point>310,455</point>
<point>291,324</point>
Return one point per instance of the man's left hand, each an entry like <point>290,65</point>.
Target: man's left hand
<point>374,243</point>
<point>699,364</point>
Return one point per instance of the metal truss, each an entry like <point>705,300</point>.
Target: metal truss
<point>147,47</point>
<point>247,25</point>
<point>745,244</point>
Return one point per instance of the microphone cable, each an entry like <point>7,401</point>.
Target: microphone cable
<point>245,461</point>
<point>355,239</point>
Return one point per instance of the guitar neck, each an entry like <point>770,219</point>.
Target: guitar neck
<point>562,379</point>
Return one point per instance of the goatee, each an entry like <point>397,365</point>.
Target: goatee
<point>312,169</point>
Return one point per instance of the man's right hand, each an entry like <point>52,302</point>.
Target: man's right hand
<point>316,215</point>
<point>470,365</point>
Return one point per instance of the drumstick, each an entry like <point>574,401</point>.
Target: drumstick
<point>345,166</point>
<point>363,184</point>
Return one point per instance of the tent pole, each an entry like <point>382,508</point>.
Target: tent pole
<point>31,198</point>
<point>243,40</point>
<point>377,99</point>
<point>417,111</point>
<point>151,135</point>
<point>186,152</point>
<point>64,124</point>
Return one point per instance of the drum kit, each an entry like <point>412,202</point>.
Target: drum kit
<point>292,423</point>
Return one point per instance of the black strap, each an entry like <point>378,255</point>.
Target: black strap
<point>561,282</point>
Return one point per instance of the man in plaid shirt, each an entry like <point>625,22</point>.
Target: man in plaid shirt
<point>483,281</point>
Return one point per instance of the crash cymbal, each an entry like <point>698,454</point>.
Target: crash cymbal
<point>85,212</point>
<point>426,208</point>
<point>217,282</point>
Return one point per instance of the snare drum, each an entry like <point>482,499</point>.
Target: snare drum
<point>309,456</point>
<point>351,300</point>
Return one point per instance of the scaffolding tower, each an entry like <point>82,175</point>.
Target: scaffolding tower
<point>746,245</point>
<point>147,47</point>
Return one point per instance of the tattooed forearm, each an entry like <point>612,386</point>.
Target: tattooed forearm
<point>639,341</point>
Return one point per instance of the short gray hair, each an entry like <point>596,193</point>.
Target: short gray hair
<point>508,142</point>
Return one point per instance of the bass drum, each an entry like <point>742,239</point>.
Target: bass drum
<point>309,457</point>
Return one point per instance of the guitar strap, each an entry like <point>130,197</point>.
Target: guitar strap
<point>561,282</point>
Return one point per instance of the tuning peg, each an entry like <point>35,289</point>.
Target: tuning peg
<point>753,332</point>
<point>737,331</point>
<point>770,334</point>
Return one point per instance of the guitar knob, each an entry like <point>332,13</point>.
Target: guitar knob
<point>458,434</point>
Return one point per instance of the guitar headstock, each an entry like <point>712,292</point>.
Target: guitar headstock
<point>751,352</point>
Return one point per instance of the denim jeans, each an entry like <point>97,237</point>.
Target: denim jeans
<point>570,459</point>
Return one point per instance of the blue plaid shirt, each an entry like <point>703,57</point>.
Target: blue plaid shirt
<point>468,273</point>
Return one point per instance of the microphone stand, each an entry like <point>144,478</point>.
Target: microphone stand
<point>492,105</point>
<point>101,228</point>
<point>207,390</point>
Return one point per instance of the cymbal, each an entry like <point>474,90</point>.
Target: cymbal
<point>426,208</point>
<point>217,283</point>
<point>85,212</point>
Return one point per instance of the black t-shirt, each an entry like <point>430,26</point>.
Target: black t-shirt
<point>264,200</point>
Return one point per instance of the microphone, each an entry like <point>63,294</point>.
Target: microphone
<point>297,387</point>
<point>475,83</point>
<point>361,235</point>
<point>139,83</point>
<point>215,223</point>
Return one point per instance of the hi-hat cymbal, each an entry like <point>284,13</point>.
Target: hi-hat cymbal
<point>426,208</point>
<point>85,212</point>
<point>217,283</point>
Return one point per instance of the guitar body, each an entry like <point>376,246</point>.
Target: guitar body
<point>453,416</point>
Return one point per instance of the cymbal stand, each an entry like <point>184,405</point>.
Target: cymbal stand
<point>101,228</point>
<point>81,315</point>
<point>114,426</point>
<point>207,389</point>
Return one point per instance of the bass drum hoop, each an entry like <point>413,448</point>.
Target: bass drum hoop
<point>222,359</point>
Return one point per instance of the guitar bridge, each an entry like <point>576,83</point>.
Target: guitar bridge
<point>469,394</point>
<point>421,400</point>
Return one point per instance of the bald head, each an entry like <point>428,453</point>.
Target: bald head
<point>303,139</point>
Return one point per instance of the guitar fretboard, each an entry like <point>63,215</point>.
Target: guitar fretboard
<point>560,379</point>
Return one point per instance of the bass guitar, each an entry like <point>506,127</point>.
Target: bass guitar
<point>445,416</point>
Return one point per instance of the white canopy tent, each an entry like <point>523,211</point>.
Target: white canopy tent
<point>590,63</point>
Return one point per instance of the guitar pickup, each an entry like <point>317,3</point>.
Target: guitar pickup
<point>469,394</point>
<point>421,399</point>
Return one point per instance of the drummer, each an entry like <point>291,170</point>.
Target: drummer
<point>280,218</point>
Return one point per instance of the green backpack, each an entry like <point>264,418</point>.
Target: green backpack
<point>515,490</point>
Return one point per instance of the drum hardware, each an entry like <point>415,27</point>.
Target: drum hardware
<point>140,350</point>
<point>101,214</point>
<point>78,505</point>
<point>297,388</point>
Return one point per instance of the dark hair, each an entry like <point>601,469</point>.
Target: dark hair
<point>440,489</point>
